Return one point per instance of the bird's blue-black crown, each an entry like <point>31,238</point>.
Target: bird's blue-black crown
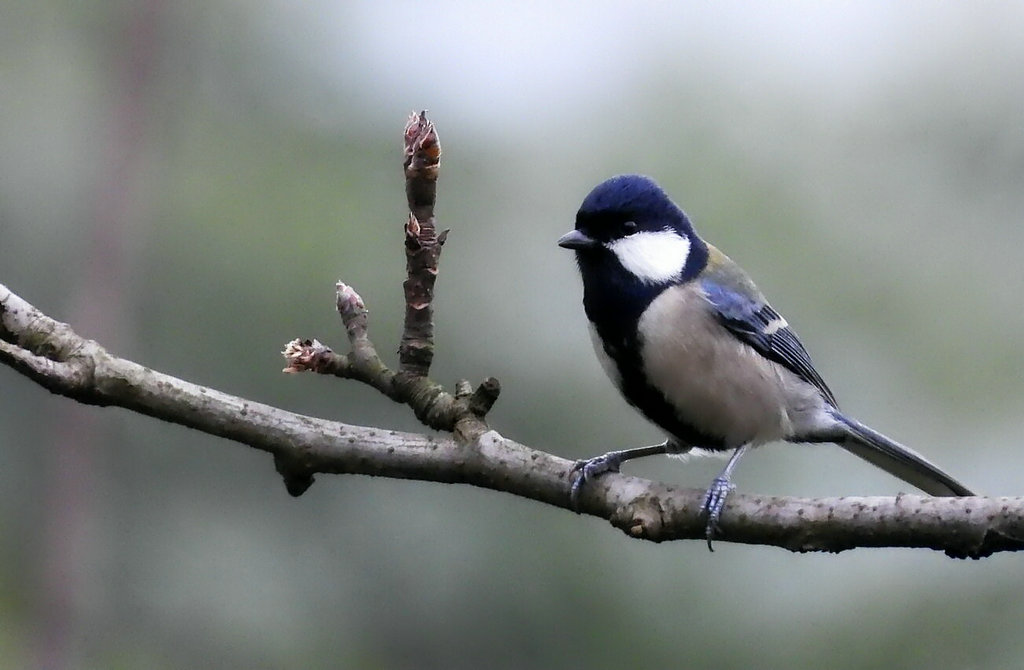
<point>626,205</point>
<point>631,197</point>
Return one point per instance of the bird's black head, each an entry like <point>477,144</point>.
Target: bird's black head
<point>628,224</point>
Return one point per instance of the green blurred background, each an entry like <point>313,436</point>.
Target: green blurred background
<point>185,181</point>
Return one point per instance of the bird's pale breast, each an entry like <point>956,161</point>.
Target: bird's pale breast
<point>714,380</point>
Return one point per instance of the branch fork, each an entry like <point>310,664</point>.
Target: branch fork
<point>462,412</point>
<point>53,355</point>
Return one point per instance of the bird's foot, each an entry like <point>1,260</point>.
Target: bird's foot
<point>591,468</point>
<point>714,501</point>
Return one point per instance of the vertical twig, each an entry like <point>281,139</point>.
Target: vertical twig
<point>422,244</point>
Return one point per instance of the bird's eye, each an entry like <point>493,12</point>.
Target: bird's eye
<point>629,227</point>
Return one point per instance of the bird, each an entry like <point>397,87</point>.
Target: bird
<point>692,344</point>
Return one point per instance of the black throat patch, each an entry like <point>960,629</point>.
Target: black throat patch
<point>614,301</point>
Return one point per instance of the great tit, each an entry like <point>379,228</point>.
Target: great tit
<point>691,343</point>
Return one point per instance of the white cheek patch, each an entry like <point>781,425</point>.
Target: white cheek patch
<point>654,258</point>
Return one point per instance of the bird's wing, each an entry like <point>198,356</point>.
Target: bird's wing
<point>753,321</point>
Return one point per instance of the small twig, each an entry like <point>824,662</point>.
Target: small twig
<point>462,413</point>
<point>422,244</point>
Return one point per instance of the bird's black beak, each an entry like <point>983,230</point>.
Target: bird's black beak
<point>575,239</point>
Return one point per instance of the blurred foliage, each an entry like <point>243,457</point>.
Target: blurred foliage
<point>864,162</point>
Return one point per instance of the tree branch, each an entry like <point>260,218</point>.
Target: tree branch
<point>53,355</point>
<point>422,244</point>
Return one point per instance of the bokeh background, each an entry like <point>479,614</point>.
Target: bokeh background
<point>185,181</point>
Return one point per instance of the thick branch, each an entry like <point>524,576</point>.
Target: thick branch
<point>53,355</point>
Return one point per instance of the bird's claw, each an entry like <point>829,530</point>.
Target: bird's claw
<point>714,501</point>
<point>584,470</point>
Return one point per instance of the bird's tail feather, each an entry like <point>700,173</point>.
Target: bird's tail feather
<point>898,460</point>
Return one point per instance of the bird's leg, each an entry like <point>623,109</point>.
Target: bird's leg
<point>610,462</point>
<point>714,499</point>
